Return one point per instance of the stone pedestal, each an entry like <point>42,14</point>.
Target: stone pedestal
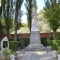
<point>35,47</point>
<point>35,42</point>
<point>35,37</point>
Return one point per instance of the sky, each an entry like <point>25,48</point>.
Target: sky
<point>40,5</point>
<point>0,3</point>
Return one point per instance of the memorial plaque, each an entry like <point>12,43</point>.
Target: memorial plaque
<point>5,44</point>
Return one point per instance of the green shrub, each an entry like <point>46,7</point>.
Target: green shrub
<point>13,45</point>
<point>54,44</point>
<point>58,51</point>
<point>58,41</point>
<point>6,54</point>
<point>44,41</point>
<point>24,41</point>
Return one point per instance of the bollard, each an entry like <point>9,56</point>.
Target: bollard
<point>54,54</point>
<point>18,54</point>
<point>12,57</point>
<point>58,56</point>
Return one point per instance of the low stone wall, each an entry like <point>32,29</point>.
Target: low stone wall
<point>27,35</point>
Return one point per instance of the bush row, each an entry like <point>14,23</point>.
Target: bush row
<point>13,45</point>
<point>23,42</point>
<point>55,44</point>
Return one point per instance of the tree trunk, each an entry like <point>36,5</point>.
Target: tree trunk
<point>8,34</point>
<point>17,8</point>
<point>7,18</point>
<point>54,35</point>
<point>16,17</point>
<point>15,36</point>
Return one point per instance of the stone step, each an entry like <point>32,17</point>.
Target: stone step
<point>35,47</point>
<point>47,58</point>
<point>30,55</point>
<point>25,57</point>
<point>36,57</point>
<point>52,54</point>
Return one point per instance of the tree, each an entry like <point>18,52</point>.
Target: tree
<point>29,12</point>
<point>17,8</point>
<point>43,24</point>
<point>52,13</point>
<point>6,15</point>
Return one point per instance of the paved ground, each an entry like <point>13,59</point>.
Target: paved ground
<point>34,55</point>
<point>55,59</point>
<point>38,55</point>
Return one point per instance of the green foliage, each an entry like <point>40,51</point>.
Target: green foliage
<point>17,11</point>
<point>43,23</point>
<point>3,2</point>
<point>44,41</point>
<point>29,12</point>
<point>58,41</point>
<point>54,44</point>
<point>6,9</point>
<point>13,45</point>
<point>19,25</point>
<point>13,52</point>
<point>58,51</point>
<point>6,54</point>
<point>24,42</point>
<point>52,14</point>
<point>8,25</point>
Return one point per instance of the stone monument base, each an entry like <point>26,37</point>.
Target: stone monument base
<point>35,47</point>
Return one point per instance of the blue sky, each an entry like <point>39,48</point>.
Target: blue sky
<point>40,5</point>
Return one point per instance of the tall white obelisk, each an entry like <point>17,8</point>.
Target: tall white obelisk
<point>35,35</point>
<point>35,42</point>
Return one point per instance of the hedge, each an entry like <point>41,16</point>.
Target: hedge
<point>55,44</point>
<point>13,45</point>
<point>26,41</point>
